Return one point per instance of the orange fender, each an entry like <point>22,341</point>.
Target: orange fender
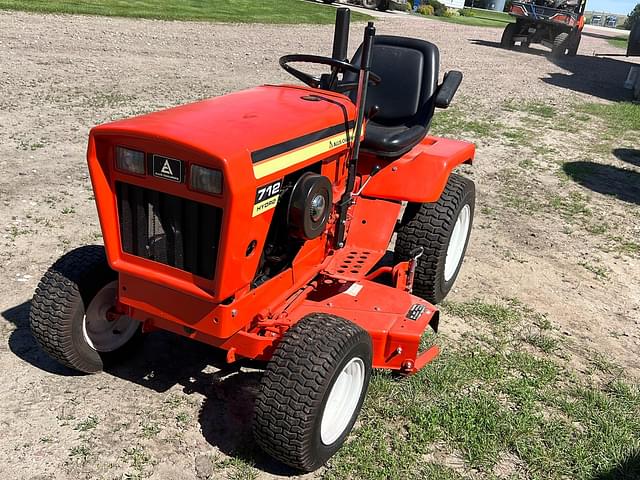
<point>420,175</point>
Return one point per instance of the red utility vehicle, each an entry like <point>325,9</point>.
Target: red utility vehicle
<point>256,222</point>
<point>556,24</point>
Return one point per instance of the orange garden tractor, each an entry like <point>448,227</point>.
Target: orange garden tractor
<point>256,222</point>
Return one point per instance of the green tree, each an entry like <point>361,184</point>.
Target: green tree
<point>633,17</point>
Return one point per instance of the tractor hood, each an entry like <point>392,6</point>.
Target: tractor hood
<point>247,127</point>
<point>254,139</point>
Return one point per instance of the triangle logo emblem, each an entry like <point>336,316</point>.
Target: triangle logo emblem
<point>166,169</point>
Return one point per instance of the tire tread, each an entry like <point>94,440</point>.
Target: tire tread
<point>430,228</point>
<point>57,295</point>
<point>294,385</point>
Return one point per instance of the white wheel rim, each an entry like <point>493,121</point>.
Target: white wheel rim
<point>343,401</point>
<point>457,242</point>
<point>101,334</point>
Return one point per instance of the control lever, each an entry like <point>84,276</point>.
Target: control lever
<point>415,254</point>
<point>374,171</point>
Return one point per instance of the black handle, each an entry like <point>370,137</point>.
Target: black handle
<point>448,89</point>
<point>341,34</point>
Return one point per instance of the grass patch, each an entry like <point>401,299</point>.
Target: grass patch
<point>454,122</point>
<point>598,271</point>
<point>627,247</point>
<point>489,401</point>
<point>571,206</point>
<point>619,117</point>
<point>495,314</point>
<point>479,18</point>
<point>539,109</point>
<point>235,11</point>
<point>620,42</point>
<point>89,423</point>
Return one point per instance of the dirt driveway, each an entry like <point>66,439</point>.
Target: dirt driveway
<point>565,247</point>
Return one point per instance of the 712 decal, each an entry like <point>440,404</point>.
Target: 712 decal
<point>266,197</point>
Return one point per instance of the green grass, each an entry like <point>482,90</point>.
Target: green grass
<point>479,18</point>
<point>236,11</point>
<point>598,271</point>
<point>619,117</point>
<point>535,108</point>
<point>472,21</point>
<point>454,122</point>
<point>620,42</point>
<point>498,403</point>
<point>89,423</point>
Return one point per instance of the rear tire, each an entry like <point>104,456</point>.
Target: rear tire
<point>507,36</point>
<point>68,309</point>
<point>560,45</point>
<point>442,229</point>
<point>312,390</point>
<point>575,44</point>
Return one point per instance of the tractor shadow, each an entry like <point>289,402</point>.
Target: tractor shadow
<point>628,155</point>
<point>606,179</point>
<point>627,469</point>
<point>162,360</point>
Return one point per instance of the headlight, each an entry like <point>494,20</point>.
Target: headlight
<point>206,179</point>
<point>131,161</point>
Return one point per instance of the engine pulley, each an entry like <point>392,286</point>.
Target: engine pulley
<point>309,206</point>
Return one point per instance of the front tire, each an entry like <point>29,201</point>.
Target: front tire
<point>442,229</point>
<point>312,390</point>
<point>507,36</point>
<point>68,315</point>
<point>560,45</point>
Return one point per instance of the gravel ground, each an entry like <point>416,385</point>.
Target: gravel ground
<point>170,413</point>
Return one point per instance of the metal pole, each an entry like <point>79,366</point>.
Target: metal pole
<point>361,103</point>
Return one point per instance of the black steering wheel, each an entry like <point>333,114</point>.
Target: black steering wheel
<point>337,66</point>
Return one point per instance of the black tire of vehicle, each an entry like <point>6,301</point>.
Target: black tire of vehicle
<point>430,226</point>
<point>574,44</point>
<point>560,44</point>
<point>383,5</point>
<point>507,36</point>
<point>297,383</point>
<point>58,308</point>
<point>371,4</point>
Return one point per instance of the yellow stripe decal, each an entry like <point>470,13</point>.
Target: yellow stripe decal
<point>280,162</point>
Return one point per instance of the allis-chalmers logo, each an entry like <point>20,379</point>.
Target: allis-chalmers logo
<point>338,142</point>
<point>167,168</point>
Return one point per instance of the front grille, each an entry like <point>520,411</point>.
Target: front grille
<point>171,230</point>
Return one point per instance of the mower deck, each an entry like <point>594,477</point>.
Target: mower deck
<point>394,319</point>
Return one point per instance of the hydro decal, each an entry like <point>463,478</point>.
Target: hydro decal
<point>267,197</point>
<point>283,155</point>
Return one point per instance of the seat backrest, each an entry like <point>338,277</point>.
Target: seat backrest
<point>409,71</point>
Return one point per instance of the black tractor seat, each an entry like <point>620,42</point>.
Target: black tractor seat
<point>404,99</point>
